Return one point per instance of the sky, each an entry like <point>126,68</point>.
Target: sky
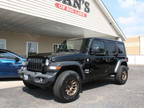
<point>129,14</point>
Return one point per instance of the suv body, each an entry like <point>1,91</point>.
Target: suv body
<point>79,60</point>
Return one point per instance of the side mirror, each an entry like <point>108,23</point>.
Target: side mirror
<point>17,59</point>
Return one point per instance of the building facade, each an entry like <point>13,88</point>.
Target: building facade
<point>135,49</point>
<point>39,26</point>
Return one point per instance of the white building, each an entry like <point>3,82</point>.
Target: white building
<point>41,25</point>
<point>135,50</point>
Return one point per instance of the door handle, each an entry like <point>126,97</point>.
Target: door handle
<point>107,60</point>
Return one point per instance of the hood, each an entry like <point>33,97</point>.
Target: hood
<point>62,56</point>
<point>52,54</point>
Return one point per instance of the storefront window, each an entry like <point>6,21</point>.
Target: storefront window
<point>2,44</point>
<point>32,48</point>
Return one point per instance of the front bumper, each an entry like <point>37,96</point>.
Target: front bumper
<point>37,78</point>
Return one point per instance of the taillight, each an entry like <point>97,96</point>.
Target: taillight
<point>126,59</point>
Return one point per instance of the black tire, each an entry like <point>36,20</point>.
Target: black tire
<point>30,86</point>
<point>122,75</point>
<point>62,85</point>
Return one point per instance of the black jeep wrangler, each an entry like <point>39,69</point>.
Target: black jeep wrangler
<point>77,61</point>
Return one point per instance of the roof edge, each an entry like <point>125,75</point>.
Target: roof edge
<point>111,19</point>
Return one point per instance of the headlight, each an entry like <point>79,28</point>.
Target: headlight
<point>55,67</point>
<point>24,63</point>
<point>23,68</point>
<point>47,62</point>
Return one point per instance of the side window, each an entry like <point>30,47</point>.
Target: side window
<point>111,48</point>
<point>121,48</point>
<point>7,55</point>
<point>98,46</point>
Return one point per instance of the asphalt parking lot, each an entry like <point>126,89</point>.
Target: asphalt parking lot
<point>103,94</point>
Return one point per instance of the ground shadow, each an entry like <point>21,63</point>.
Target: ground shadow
<point>98,83</point>
<point>10,79</point>
<point>47,94</point>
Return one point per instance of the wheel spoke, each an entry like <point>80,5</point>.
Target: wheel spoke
<point>72,88</point>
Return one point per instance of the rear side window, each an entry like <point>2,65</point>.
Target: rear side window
<point>111,48</point>
<point>121,48</point>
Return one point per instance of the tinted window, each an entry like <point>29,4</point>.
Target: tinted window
<point>7,55</point>
<point>111,48</point>
<point>121,49</point>
<point>98,45</point>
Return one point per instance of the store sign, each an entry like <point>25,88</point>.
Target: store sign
<point>78,7</point>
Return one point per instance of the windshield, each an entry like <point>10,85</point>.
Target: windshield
<point>74,45</point>
<point>6,54</point>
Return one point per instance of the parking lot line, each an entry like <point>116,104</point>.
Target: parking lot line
<point>10,84</point>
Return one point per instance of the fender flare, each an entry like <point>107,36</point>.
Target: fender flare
<point>119,64</point>
<point>70,63</point>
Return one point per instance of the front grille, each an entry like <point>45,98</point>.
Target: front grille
<point>35,64</point>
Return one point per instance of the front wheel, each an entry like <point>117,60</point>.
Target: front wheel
<point>67,86</point>
<point>122,75</point>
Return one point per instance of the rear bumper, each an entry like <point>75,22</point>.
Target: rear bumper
<point>37,78</point>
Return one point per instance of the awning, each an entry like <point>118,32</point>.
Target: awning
<point>18,22</point>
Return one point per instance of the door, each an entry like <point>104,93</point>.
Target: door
<point>112,55</point>
<point>9,64</point>
<point>98,64</point>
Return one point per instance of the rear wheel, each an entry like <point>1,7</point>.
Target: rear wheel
<point>67,86</point>
<point>30,86</point>
<point>122,75</point>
